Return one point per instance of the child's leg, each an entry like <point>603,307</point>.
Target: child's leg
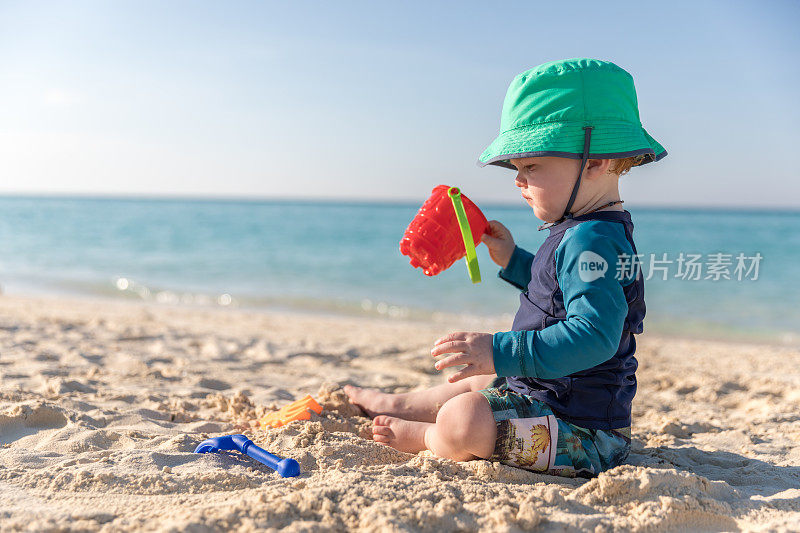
<point>421,406</point>
<point>465,429</point>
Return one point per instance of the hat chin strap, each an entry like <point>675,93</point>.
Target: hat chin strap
<point>587,139</point>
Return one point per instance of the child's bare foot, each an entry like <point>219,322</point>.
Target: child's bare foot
<point>404,435</point>
<point>373,402</point>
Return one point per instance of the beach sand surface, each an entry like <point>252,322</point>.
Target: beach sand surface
<point>102,404</point>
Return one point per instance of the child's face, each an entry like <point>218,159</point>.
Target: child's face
<point>546,183</point>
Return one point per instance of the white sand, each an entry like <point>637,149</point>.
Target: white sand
<point>102,404</point>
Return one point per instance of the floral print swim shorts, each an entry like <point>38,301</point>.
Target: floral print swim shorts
<point>530,436</point>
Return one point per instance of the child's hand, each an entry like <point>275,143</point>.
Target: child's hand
<point>471,349</point>
<point>499,242</point>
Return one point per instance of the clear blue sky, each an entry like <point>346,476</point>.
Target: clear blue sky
<point>380,99</point>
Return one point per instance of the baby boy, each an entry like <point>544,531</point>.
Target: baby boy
<point>554,393</point>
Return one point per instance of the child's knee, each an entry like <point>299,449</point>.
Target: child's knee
<point>467,420</point>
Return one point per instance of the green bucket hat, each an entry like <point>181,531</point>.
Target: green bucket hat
<point>547,108</point>
<point>576,108</point>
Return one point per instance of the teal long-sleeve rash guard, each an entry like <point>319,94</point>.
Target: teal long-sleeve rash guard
<point>586,303</point>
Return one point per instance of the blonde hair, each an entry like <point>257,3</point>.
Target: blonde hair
<point>622,166</point>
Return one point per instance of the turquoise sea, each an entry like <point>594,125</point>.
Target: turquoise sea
<point>344,258</point>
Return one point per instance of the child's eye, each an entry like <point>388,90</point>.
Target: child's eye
<point>529,168</point>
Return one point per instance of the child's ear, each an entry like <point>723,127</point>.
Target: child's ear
<point>597,167</point>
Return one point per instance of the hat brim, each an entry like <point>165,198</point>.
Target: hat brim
<point>609,141</point>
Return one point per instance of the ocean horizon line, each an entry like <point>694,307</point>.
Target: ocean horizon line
<point>349,201</point>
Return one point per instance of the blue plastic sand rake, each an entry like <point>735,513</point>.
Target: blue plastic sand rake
<point>285,467</point>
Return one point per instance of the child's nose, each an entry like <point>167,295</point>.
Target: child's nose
<point>520,182</point>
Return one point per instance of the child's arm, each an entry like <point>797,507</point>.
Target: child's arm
<point>595,308</point>
<point>518,270</point>
<point>514,262</point>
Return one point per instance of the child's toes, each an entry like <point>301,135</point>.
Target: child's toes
<point>380,420</point>
<point>381,430</point>
<point>381,434</point>
<point>382,439</point>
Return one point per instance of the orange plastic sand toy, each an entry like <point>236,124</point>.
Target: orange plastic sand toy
<point>434,240</point>
<point>298,410</point>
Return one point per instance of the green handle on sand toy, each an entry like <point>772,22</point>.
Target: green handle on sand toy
<point>466,233</point>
